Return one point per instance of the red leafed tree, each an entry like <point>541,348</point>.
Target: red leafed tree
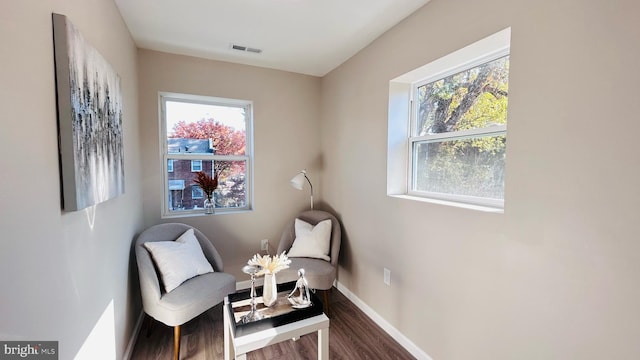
<point>226,139</point>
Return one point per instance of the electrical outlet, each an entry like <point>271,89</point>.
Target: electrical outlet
<point>387,276</point>
<point>264,245</point>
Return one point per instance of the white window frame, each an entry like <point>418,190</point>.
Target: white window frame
<point>196,168</point>
<point>402,121</point>
<point>163,97</point>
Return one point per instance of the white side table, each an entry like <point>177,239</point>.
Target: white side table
<point>236,347</point>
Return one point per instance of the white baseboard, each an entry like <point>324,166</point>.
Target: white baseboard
<point>134,338</point>
<point>384,324</point>
<point>243,285</point>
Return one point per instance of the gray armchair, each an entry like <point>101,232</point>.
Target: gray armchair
<point>320,274</point>
<point>192,297</point>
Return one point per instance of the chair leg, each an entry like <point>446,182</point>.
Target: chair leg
<point>150,324</point>
<point>176,342</point>
<point>326,301</point>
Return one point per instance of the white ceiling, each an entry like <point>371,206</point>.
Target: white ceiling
<point>304,36</point>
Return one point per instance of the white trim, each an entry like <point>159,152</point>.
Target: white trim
<point>492,46</point>
<point>452,199</point>
<point>134,337</point>
<point>203,99</point>
<point>243,285</point>
<point>384,324</point>
<point>398,137</point>
<point>492,130</point>
<point>463,205</point>
<point>467,65</point>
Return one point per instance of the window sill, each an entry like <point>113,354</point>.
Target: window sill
<point>474,207</point>
<point>199,214</point>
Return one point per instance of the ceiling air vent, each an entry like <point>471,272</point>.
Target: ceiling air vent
<point>246,49</point>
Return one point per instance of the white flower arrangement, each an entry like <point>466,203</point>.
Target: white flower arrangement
<point>270,265</point>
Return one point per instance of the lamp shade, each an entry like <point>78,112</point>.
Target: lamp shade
<point>298,181</point>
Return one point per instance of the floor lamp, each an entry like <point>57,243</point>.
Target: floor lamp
<point>298,183</point>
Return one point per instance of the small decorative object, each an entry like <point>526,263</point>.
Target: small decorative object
<point>208,185</point>
<point>269,267</point>
<point>299,296</point>
<point>209,205</point>
<point>269,290</point>
<point>253,315</point>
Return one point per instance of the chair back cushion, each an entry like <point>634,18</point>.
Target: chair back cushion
<point>313,217</point>
<point>179,260</point>
<point>311,241</point>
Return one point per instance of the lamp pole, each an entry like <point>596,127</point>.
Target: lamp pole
<point>298,183</point>
<point>310,187</point>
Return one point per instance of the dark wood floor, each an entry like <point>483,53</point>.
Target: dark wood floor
<point>352,335</point>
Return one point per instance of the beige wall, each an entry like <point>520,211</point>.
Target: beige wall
<point>286,139</point>
<point>557,276</point>
<point>62,271</point>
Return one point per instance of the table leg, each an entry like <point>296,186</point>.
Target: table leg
<point>323,344</point>
<point>228,346</point>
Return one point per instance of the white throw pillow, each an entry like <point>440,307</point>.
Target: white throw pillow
<point>312,241</point>
<point>179,260</point>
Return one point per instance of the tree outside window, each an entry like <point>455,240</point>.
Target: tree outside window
<point>459,137</point>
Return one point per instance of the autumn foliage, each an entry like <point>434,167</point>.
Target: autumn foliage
<point>226,139</point>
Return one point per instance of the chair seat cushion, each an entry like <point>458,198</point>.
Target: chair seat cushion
<point>193,297</point>
<point>319,273</point>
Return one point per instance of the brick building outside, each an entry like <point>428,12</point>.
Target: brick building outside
<point>184,194</point>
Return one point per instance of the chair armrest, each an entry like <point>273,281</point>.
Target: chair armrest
<point>287,238</point>
<point>149,283</point>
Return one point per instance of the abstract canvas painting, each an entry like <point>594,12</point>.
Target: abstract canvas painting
<point>89,103</point>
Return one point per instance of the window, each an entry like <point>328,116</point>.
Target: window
<point>196,192</point>
<point>196,165</point>
<point>206,134</point>
<point>455,140</point>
